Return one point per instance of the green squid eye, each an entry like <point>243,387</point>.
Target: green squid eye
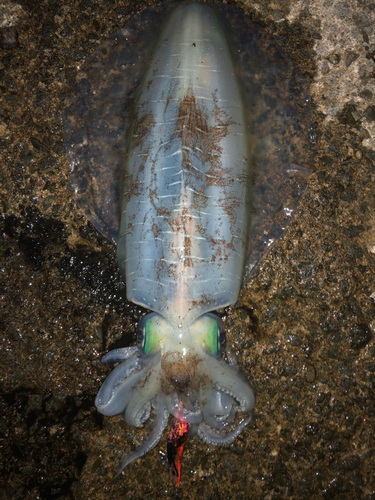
<point>148,333</point>
<point>214,334</point>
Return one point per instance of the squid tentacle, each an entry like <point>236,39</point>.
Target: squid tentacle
<point>142,392</point>
<point>178,411</point>
<point>153,438</point>
<point>226,410</point>
<point>113,396</point>
<point>229,380</point>
<point>218,403</point>
<point>144,415</point>
<point>136,384</point>
<point>120,355</point>
<point>208,402</point>
<point>220,438</point>
<point>188,401</point>
<point>223,404</point>
<point>219,411</point>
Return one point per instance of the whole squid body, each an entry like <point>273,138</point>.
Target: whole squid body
<point>187,135</point>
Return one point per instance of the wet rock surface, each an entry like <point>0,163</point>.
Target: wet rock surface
<point>303,328</point>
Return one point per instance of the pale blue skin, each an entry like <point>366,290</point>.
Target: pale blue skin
<point>183,234</point>
<point>200,156</point>
<point>206,195</point>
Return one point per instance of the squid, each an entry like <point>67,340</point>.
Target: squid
<point>188,137</point>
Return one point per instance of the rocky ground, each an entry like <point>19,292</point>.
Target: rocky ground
<point>303,326</point>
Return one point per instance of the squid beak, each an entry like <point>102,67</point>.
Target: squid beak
<point>175,448</point>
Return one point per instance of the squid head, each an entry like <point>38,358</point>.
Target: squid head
<point>179,373</point>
